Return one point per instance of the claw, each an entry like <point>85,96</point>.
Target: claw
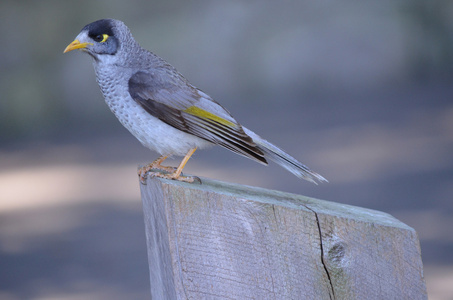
<point>172,176</point>
<point>167,172</point>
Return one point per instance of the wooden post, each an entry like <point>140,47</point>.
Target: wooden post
<point>218,240</point>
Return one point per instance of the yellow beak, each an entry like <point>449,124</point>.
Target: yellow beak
<point>76,44</point>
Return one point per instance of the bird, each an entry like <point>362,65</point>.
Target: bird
<point>163,110</point>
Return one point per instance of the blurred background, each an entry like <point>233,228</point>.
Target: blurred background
<point>359,91</point>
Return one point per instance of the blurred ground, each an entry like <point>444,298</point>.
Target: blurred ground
<point>361,93</point>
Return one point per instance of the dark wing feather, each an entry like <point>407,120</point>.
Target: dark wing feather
<point>170,101</point>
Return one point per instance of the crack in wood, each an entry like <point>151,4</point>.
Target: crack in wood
<point>322,254</point>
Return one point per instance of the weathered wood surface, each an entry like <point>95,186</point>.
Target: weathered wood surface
<point>225,241</point>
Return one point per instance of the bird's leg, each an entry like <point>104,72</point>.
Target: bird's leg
<point>143,171</point>
<point>173,174</point>
<point>177,174</point>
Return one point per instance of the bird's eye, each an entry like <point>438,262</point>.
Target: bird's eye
<point>101,38</point>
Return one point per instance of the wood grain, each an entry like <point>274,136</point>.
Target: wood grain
<point>225,241</point>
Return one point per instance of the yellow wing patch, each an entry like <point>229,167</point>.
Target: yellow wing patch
<point>201,113</point>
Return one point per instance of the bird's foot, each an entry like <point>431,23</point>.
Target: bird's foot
<point>155,165</point>
<point>180,177</point>
<point>164,172</point>
<point>173,176</point>
<point>167,172</point>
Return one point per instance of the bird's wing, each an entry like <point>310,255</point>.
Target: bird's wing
<point>186,108</point>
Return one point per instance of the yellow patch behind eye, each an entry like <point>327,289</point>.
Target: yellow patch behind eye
<point>104,37</point>
<point>193,110</point>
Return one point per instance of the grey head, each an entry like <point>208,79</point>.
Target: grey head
<point>104,38</point>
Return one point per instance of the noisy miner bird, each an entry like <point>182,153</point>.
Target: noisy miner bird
<point>163,110</point>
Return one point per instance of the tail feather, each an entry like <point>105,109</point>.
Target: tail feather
<point>285,160</point>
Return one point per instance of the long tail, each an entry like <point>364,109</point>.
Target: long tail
<point>285,160</point>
